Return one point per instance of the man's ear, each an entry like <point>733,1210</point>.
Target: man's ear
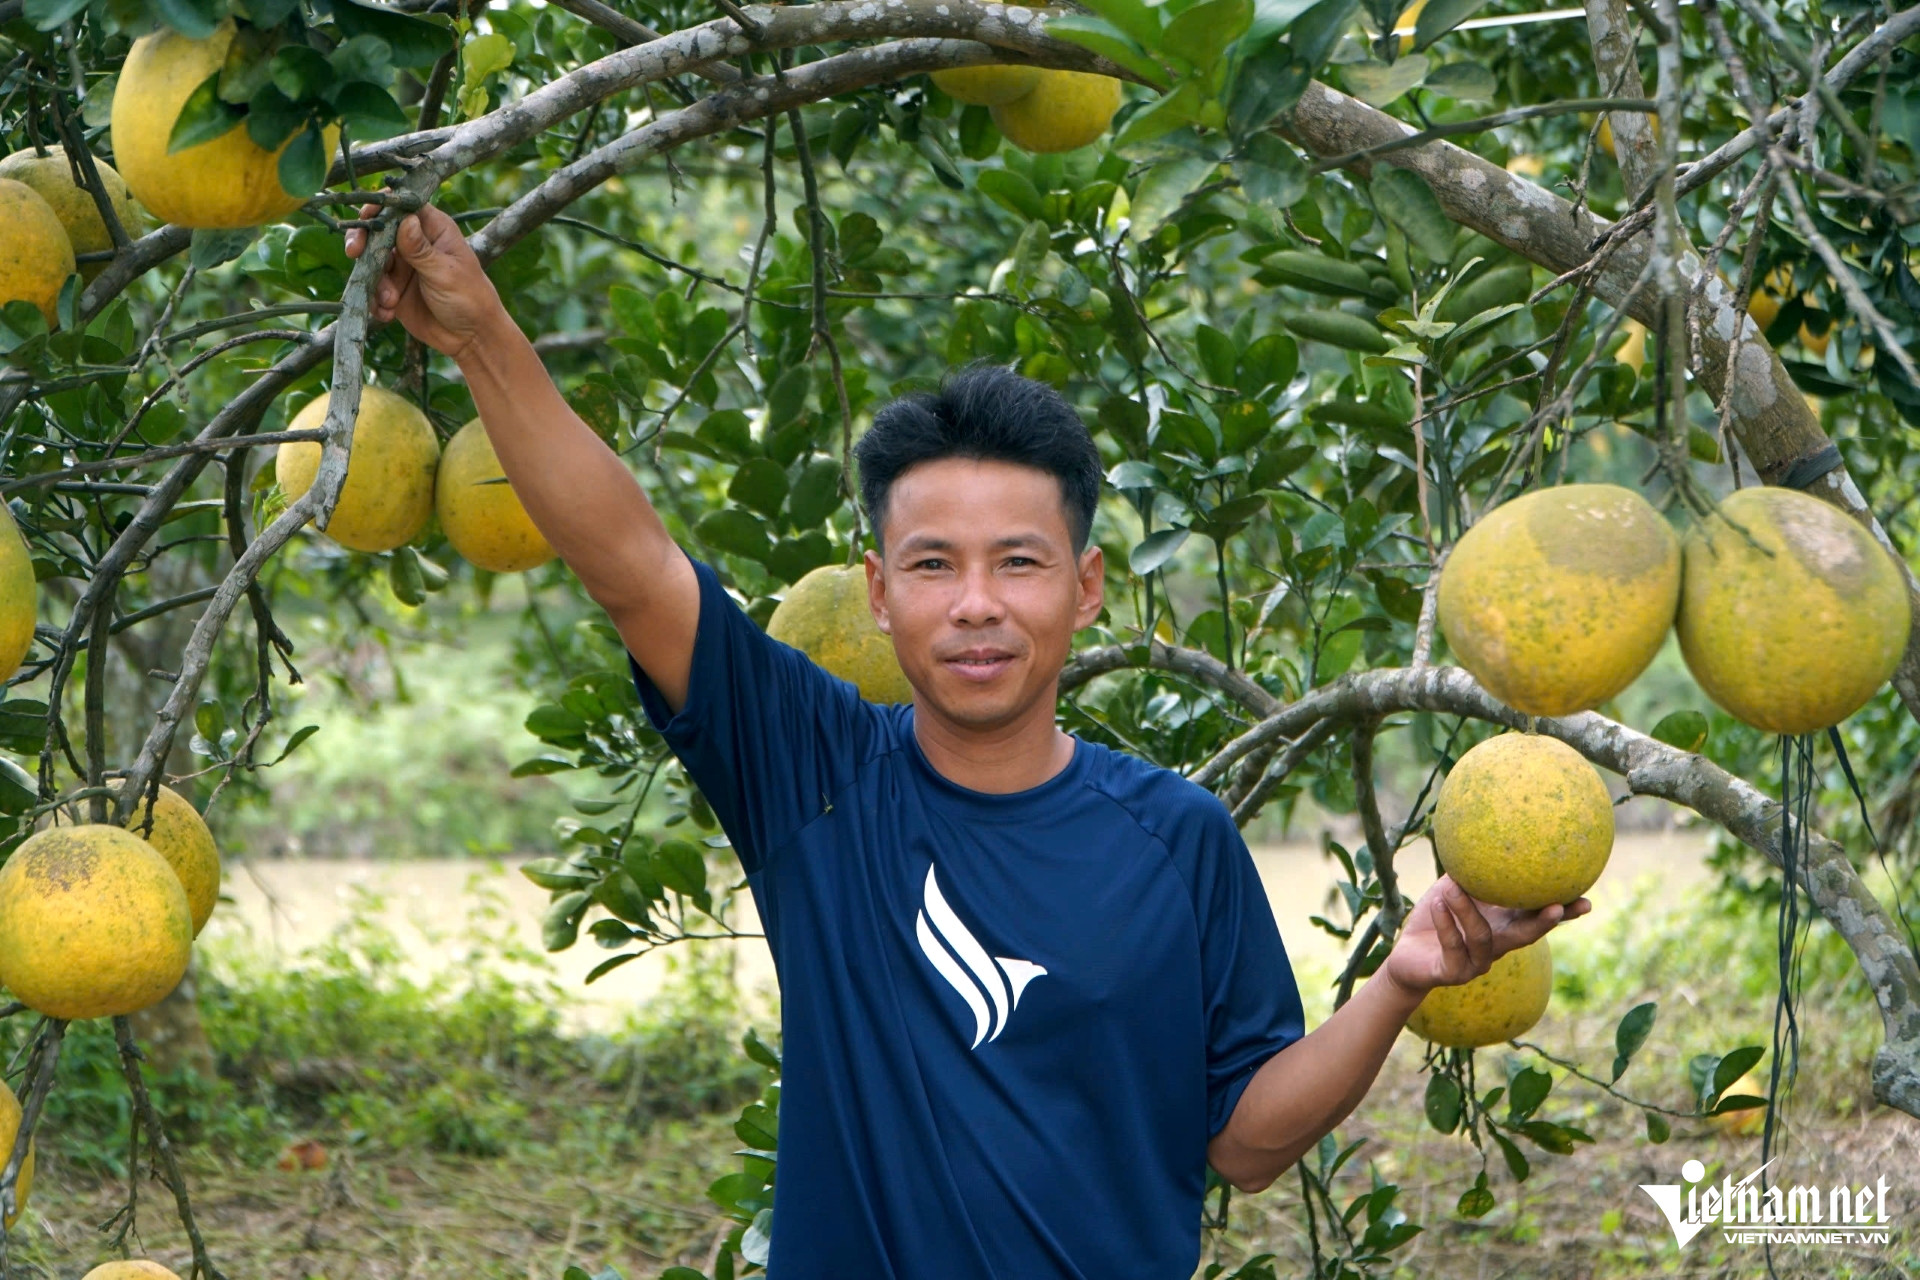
<point>877,592</point>
<point>1092,571</point>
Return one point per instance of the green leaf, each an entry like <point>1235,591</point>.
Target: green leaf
<point>298,736</point>
<point>1156,549</point>
<point>1012,192</point>
<point>1199,35</point>
<point>1217,354</point>
<point>1271,172</point>
<point>203,117</point>
<point>787,397</point>
<point>1136,476</point>
<point>1476,1201</point>
<point>1686,730</point>
<point>272,117</point>
<point>403,577</point>
<point>727,433</point>
<point>19,791</point>
<point>561,925</point>
<point>1110,42</point>
<point>1379,83</point>
<point>815,494</point>
<point>1404,199</point>
<point>1526,1091</point>
<point>45,15</point>
<point>23,724</point>
<point>761,484</point>
<point>682,867</point>
<point>96,109</point>
<point>303,165</point>
<point>1658,1130</point>
<point>1463,81</point>
<point>979,138</point>
<point>1315,32</point>
<point>1176,109</point>
<point>1267,84</point>
<point>1517,1163</point>
<point>633,312</point>
<point>416,43</point>
<point>735,531</point>
<point>556,874</point>
<point>1440,17</point>
<point>361,58</point>
<point>486,55</point>
<point>370,112</point>
<point>1269,361</point>
<point>195,19</point>
<point>1163,190</point>
<point>1735,1065</point>
<point>1444,1103</point>
<point>1631,1034</point>
<point>1136,18</point>
<point>759,1050</point>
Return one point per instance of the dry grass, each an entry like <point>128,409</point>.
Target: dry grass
<point>579,1185</point>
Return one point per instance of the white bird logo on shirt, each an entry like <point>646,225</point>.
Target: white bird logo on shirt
<point>984,981</point>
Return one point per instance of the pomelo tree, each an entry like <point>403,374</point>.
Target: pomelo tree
<point>1335,281</point>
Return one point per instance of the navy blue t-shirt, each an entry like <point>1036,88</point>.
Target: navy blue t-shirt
<point>1011,1022</point>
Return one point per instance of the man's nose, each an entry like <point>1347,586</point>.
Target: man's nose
<point>978,603</point>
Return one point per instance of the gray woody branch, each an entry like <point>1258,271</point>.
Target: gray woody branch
<point>475,142</point>
<point>1650,767</point>
<point>1772,420</point>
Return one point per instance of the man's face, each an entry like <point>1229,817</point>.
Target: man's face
<point>979,586</point>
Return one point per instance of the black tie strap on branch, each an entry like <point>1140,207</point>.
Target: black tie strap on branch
<point>1805,471</point>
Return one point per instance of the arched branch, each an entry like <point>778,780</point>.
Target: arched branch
<point>1651,768</point>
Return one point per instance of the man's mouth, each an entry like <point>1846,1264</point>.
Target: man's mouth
<point>979,664</point>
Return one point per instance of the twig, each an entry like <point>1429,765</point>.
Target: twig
<point>130,1059</point>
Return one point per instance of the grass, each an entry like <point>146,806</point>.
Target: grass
<point>459,1131</point>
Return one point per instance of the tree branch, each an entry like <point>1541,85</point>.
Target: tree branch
<point>1770,417</point>
<point>1651,768</point>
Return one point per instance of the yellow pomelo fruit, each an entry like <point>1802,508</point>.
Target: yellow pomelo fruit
<point>825,616</point>
<point>93,923</point>
<point>1522,821</point>
<point>9,1130</point>
<point>35,255</point>
<point>130,1269</point>
<point>19,596</point>
<point>229,181</point>
<point>485,522</point>
<point>1753,1119</point>
<point>72,203</point>
<point>1606,134</point>
<point>1065,111</point>
<point>1498,1005</point>
<point>1556,600</point>
<point>1791,615</point>
<point>388,496</point>
<point>1526,165</point>
<point>1816,342</point>
<point>180,835</point>
<point>1633,352</point>
<point>993,86</point>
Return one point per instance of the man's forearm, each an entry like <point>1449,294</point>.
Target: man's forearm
<point>1302,1092</point>
<point>578,492</point>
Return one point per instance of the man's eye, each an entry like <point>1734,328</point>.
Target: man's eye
<point>928,564</point>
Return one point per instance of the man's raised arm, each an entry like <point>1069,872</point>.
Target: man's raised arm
<point>578,492</point>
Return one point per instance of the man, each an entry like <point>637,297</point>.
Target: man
<point>1030,986</point>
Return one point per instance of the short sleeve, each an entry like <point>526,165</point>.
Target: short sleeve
<point>766,735</point>
<point>1253,1005</point>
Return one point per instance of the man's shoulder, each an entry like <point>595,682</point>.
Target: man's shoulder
<point>1169,807</point>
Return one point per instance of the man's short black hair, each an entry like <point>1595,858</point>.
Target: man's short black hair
<point>983,412</point>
